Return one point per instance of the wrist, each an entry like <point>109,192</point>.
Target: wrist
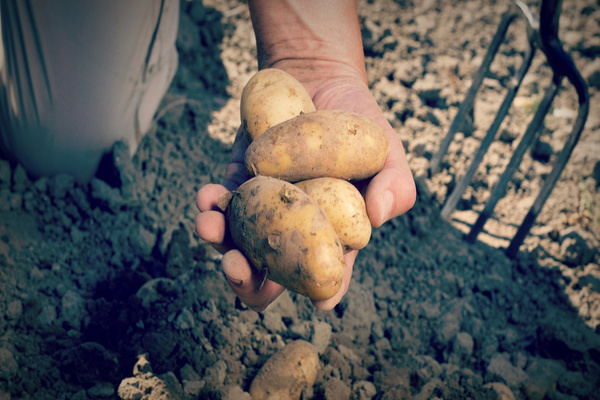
<point>313,40</point>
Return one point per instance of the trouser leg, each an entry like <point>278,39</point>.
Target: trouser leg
<point>76,76</point>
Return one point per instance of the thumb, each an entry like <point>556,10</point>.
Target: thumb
<point>392,191</point>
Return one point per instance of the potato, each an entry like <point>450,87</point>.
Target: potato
<point>272,96</point>
<point>324,143</point>
<point>345,208</point>
<point>287,373</point>
<point>278,227</point>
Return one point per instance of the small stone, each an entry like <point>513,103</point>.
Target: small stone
<point>14,310</point>
<point>47,315</point>
<point>448,328</point>
<point>336,389</point>
<point>430,310</point>
<point>142,367</point>
<point>574,383</point>
<point>428,389</point>
<point>8,365</point>
<point>20,179</point>
<point>89,363</point>
<point>321,336</point>
<point>234,392</point>
<point>542,375</point>
<point>463,345</point>
<point>188,373</point>
<point>167,383</point>
<point>576,248</point>
<point>101,390</point>
<point>61,184</point>
<point>129,389</point>
<point>72,309</point>
<point>363,390</point>
<point>193,388</point>
<point>273,322</point>
<point>501,366</point>
<point>185,320</point>
<point>77,236</point>
<point>142,240</point>
<point>105,195</point>
<point>41,185</point>
<point>81,395</point>
<point>503,391</point>
<point>156,290</point>
<point>248,316</point>
<point>215,375</point>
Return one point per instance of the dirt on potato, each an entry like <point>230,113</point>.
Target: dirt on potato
<point>107,293</point>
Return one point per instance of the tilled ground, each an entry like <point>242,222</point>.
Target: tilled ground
<point>107,293</point>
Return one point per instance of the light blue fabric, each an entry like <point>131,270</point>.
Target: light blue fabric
<point>78,75</point>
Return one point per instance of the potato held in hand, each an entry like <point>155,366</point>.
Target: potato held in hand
<point>279,228</point>
<point>345,208</point>
<point>272,96</point>
<point>287,373</point>
<point>331,143</point>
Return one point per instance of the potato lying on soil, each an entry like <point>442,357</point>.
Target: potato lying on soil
<point>286,373</point>
<point>345,208</point>
<point>272,96</point>
<point>324,143</point>
<point>278,227</point>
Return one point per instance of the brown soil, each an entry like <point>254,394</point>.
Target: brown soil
<point>106,292</point>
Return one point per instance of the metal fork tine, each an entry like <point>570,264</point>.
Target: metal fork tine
<point>458,191</point>
<point>543,34</point>
<point>515,160</point>
<point>507,18</point>
<point>563,65</point>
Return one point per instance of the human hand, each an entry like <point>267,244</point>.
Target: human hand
<point>319,44</point>
<point>390,193</point>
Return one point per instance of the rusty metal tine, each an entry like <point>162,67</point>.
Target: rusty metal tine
<point>515,84</point>
<point>562,64</point>
<point>515,160</point>
<point>507,18</point>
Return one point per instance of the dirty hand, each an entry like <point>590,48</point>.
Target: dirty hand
<point>319,43</point>
<point>390,193</point>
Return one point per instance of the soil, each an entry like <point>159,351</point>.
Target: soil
<point>107,293</point>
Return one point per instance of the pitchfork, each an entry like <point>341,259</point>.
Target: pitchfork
<point>543,34</point>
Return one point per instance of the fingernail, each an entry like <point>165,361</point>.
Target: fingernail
<point>235,282</point>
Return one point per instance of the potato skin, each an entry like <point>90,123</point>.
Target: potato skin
<point>271,96</point>
<point>325,143</point>
<point>286,373</point>
<point>345,208</point>
<point>278,227</point>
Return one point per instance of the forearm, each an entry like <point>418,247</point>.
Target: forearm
<point>312,39</point>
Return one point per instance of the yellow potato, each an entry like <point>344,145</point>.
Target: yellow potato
<point>272,96</point>
<point>286,373</point>
<point>324,143</point>
<point>280,229</point>
<point>345,208</point>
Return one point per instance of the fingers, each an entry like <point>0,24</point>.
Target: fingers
<point>235,173</point>
<point>210,223</point>
<point>329,304</point>
<point>208,196</point>
<point>392,191</point>
<point>248,283</point>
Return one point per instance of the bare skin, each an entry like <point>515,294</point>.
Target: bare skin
<point>319,43</point>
